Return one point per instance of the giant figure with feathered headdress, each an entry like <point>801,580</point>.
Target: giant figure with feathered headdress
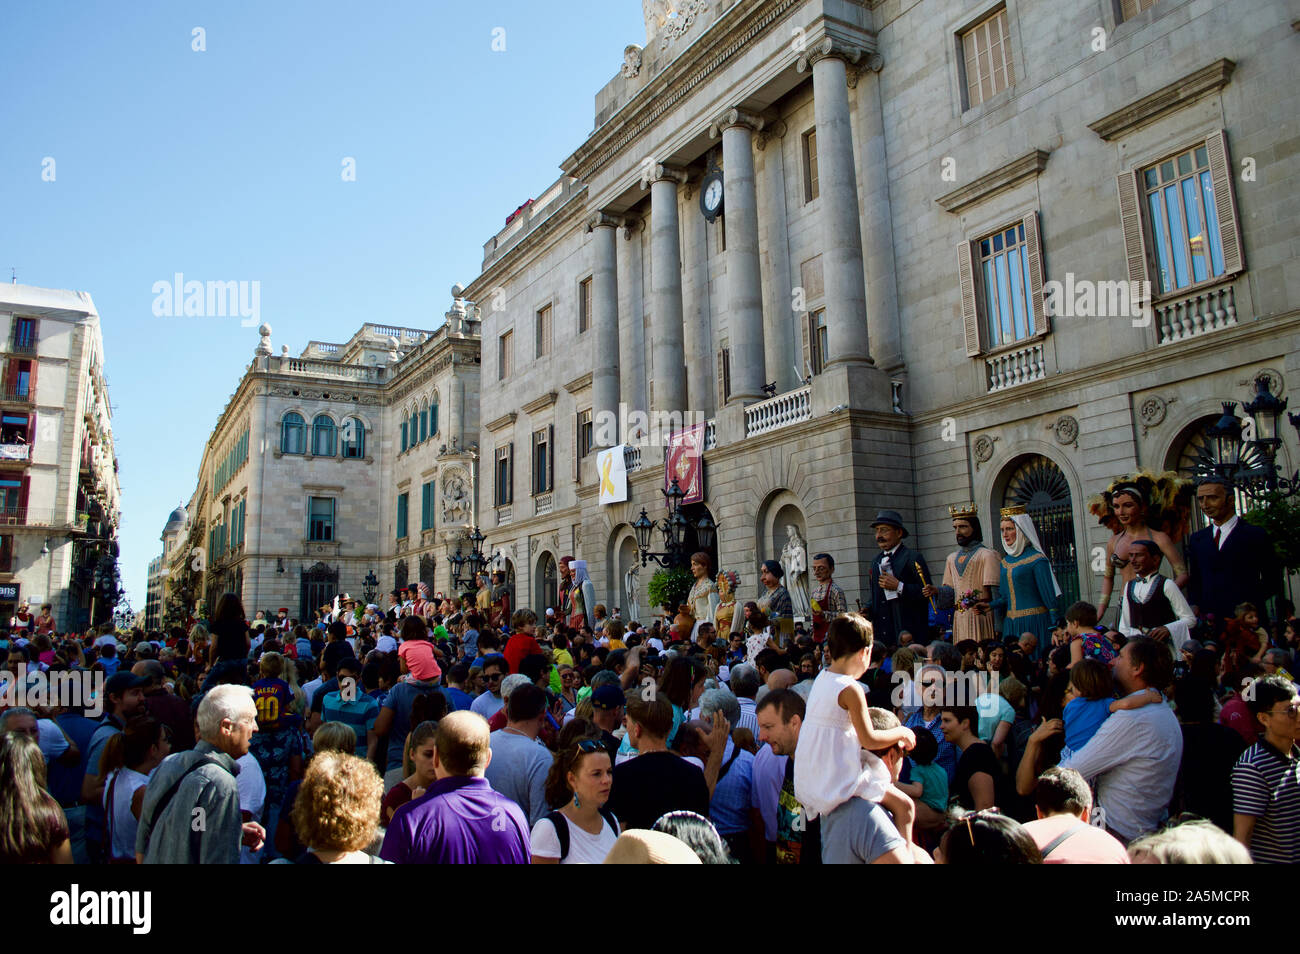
<point>1142,506</point>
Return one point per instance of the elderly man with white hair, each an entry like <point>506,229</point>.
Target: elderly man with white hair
<point>731,805</point>
<point>191,806</point>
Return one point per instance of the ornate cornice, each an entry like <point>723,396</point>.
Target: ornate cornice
<point>579,384</point>
<point>710,54</point>
<point>1178,94</point>
<point>1000,179</point>
<point>502,421</point>
<point>540,404</point>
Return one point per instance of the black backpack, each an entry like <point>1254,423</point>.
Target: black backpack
<point>562,827</point>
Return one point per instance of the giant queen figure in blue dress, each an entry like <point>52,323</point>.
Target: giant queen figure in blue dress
<point>1027,587</point>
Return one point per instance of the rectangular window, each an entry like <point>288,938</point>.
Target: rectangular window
<point>23,337</point>
<point>503,355</point>
<point>402,501</point>
<point>503,489</point>
<point>6,553</point>
<point>544,331</point>
<point>1006,287</point>
<point>543,460</point>
<point>584,305</point>
<point>986,58</point>
<point>810,190</point>
<point>1182,216</point>
<point>818,341</point>
<point>321,519</point>
<point>426,506</point>
<point>1131,8</point>
<point>585,433</point>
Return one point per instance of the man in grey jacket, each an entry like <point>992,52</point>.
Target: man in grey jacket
<point>191,807</point>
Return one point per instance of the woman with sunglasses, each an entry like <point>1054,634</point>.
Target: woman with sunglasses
<point>581,830</point>
<point>570,683</point>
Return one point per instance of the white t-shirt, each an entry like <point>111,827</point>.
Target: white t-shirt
<point>584,848</point>
<point>108,639</point>
<point>386,644</point>
<point>124,823</point>
<point>252,796</point>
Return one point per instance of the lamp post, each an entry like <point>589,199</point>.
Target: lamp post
<point>673,527</point>
<point>474,562</point>
<point>1258,473</point>
<point>371,581</point>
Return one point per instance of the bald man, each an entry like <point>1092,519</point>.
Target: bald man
<point>169,709</point>
<point>461,820</point>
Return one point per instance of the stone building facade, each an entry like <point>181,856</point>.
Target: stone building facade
<point>60,501</point>
<point>301,484</point>
<point>933,216</point>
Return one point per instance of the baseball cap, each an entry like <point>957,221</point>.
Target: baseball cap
<point>607,697</point>
<point>121,682</point>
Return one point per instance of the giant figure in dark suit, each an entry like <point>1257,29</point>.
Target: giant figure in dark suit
<point>911,610</point>
<point>1231,561</point>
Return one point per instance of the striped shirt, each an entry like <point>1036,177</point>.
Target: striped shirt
<point>360,713</point>
<point>1266,785</point>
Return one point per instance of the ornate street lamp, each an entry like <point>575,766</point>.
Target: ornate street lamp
<point>673,527</point>
<point>1257,473</point>
<point>457,561</point>
<point>1225,435</point>
<point>371,581</point>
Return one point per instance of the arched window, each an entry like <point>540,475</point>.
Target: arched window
<point>433,415</point>
<point>322,436</point>
<point>415,426</point>
<point>354,438</point>
<point>405,438</point>
<point>424,423</point>
<point>293,434</point>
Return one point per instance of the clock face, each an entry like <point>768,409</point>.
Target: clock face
<point>713,195</point>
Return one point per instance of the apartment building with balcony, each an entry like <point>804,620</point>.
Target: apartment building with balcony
<point>60,499</point>
<point>884,305</point>
<point>321,464</point>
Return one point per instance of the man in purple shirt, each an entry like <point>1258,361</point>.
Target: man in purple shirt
<point>461,819</point>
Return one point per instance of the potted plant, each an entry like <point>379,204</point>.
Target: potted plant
<point>670,586</point>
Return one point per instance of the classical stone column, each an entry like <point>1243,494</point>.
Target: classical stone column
<point>697,324</point>
<point>604,318</point>
<point>744,288</point>
<point>780,322</point>
<point>631,338</point>
<point>842,267</point>
<point>878,240</point>
<point>668,349</point>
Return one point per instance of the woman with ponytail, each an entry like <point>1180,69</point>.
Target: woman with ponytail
<point>129,758</point>
<point>33,829</point>
<point>582,830</point>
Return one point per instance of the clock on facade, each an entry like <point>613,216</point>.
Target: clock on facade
<point>711,194</point>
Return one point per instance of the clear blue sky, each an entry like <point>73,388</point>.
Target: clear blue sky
<point>225,165</point>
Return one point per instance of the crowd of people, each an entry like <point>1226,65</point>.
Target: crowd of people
<point>464,730</point>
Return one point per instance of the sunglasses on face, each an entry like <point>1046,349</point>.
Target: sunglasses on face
<point>492,677</point>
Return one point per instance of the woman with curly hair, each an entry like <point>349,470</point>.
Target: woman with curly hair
<point>336,813</point>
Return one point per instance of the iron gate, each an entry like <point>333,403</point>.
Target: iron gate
<point>319,586</point>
